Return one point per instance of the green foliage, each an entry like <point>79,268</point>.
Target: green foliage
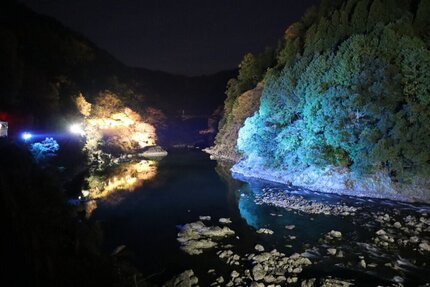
<point>422,20</point>
<point>359,17</point>
<point>251,71</point>
<point>354,94</point>
<point>376,14</point>
<point>44,150</point>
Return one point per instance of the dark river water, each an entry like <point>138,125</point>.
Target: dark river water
<point>187,184</point>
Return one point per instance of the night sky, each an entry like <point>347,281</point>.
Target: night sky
<point>179,36</point>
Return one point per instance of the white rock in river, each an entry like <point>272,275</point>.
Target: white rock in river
<point>262,257</point>
<point>398,279</point>
<point>204,218</point>
<point>225,220</point>
<point>335,234</point>
<point>269,278</point>
<point>381,232</point>
<point>332,251</point>
<point>234,274</point>
<point>195,247</point>
<point>185,279</point>
<point>258,272</point>
<point>196,236</point>
<point>220,279</point>
<point>290,227</point>
<point>259,248</point>
<point>308,283</point>
<point>333,282</point>
<point>414,239</point>
<point>303,261</point>
<point>265,231</point>
<point>424,246</point>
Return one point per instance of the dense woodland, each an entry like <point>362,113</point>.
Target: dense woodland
<point>348,86</point>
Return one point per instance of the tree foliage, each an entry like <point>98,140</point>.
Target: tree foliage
<point>44,150</point>
<point>354,94</point>
<point>251,70</point>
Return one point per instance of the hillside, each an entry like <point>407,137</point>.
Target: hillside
<point>44,66</point>
<point>197,95</point>
<point>345,106</point>
<point>192,105</point>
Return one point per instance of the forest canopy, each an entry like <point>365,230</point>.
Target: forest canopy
<point>349,87</point>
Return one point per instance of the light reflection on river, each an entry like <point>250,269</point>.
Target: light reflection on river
<point>127,176</point>
<point>186,185</point>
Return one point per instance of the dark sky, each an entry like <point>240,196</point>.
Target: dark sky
<point>179,36</point>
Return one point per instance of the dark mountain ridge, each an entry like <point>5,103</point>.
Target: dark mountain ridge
<point>44,65</point>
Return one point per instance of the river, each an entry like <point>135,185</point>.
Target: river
<point>187,184</point>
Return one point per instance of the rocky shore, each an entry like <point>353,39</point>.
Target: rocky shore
<point>298,203</point>
<point>196,237</point>
<point>395,243</point>
<point>340,181</point>
<point>272,268</point>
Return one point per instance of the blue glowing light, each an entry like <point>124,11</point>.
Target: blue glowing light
<point>26,136</point>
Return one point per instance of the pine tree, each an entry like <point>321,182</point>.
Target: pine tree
<point>422,21</point>
<point>359,17</point>
<point>376,14</point>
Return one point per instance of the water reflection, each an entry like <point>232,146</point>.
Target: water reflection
<point>186,187</point>
<point>90,206</point>
<point>126,176</point>
<point>242,193</point>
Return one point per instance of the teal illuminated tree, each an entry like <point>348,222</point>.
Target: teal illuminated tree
<point>355,96</point>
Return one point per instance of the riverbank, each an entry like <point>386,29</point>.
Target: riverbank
<point>340,181</point>
<point>200,218</point>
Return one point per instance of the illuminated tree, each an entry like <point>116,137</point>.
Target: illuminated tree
<point>359,17</point>
<point>43,151</point>
<point>106,104</point>
<point>83,106</point>
<point>112,128</point>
